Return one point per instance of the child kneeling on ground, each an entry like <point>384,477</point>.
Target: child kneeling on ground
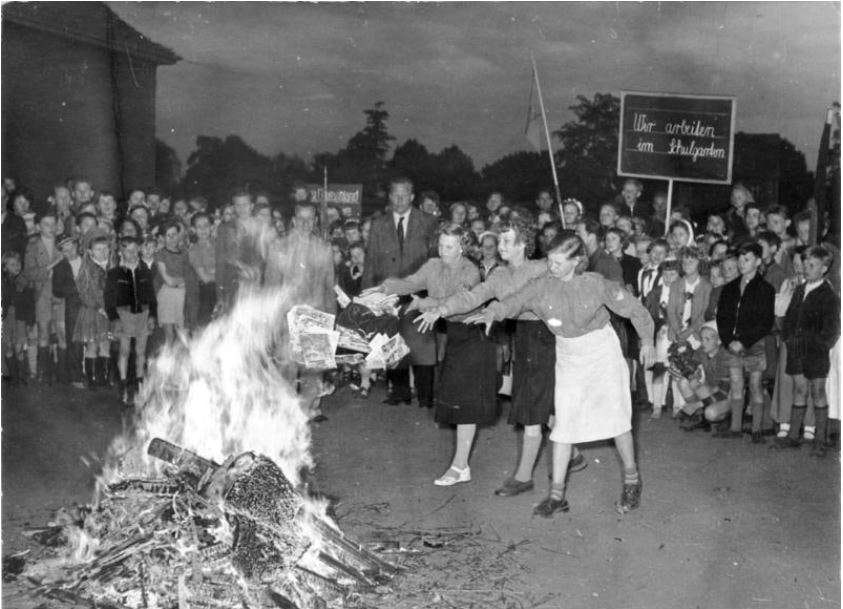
<point>706,391</point>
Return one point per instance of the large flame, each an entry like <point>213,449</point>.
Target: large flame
<point>225,391</point>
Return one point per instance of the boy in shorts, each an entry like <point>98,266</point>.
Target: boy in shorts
<point>745,315</point>
<point>130,304</point>
<point>810,328</point>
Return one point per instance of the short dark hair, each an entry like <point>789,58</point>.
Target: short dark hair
<point>141,207</point>
<point>124,241</point>
<point>750,248</point>
<point>241,192</point>
<point>524,231</point>
<point>802,216</point>
<point>429,194</point>
<point>198,216</point>
<point>772,239</point>
<point>566,242</point>
<point>591,226</point>
<point>821,254</point>
<point>777,210</point>
<point>45,214</point>
<point>715,244</point>
<point>658,242</point>
<point>400,180</point>
<point>306,205</point>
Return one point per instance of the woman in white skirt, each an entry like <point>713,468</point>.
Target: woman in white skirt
<point>592,395</point>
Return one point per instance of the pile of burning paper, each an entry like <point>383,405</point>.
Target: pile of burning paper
<point>205,535</point>
<point>314,338</point>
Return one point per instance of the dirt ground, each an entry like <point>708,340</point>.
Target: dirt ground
<point>723,523</point>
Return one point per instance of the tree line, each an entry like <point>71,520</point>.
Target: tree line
<point>585,159</point>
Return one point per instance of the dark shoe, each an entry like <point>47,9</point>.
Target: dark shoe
<point>319,418</point>
<point>727,434</point>
<point>512,487</point>
<point>394,401</point>
<point>758,437</point>
<point>692,422</point>
<point>630,498</point>
<point>549,506</point>
<point>577,464</point>
<point>90,372</point>
<point>785,443</point>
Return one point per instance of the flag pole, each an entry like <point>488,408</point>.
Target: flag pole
<point>546,130</point>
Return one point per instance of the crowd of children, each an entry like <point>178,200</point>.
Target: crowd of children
<point>745,308</point>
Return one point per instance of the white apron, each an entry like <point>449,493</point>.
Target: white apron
<point>832,383</point>
<point>592,398</point>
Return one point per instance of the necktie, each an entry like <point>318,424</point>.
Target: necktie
<point>400,231</point>
<point>689,295</point>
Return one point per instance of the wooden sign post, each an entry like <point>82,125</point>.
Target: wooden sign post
<point>687,138</point>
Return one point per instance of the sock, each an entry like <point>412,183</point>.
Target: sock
<point>797,415</point>
<point>529,452</point>
<point>630,475</point>
<point>784,428</point>
<point>557,492</point>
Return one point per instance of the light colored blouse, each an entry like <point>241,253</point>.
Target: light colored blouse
<point>504,281</point>
<point>578,306</point>
<point>439,279</point>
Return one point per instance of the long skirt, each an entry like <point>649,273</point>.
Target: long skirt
<point>592,399</point>
<point>469,382</point>
<point>533,372</point>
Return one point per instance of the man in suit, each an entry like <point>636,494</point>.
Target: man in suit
<point>401,241</point>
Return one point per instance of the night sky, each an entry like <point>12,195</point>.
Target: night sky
<point>295,77</point>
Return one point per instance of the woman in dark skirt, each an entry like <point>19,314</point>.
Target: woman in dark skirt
<point>467,392</point>
<point>534,347</point>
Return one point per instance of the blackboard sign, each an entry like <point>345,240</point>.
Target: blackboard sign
<point>339,196</point>
<point>676,137</point>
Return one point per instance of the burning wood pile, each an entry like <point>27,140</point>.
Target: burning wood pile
<point>204,535</point>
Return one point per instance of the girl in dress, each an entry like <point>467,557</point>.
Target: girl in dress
<point>592,397</point>
<point>468,384</point>
<point>171,263</point>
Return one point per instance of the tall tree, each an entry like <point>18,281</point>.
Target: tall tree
<point>455,173</point>
<point>217,166</point>
<point>589,151</point>
<point>518,176</point>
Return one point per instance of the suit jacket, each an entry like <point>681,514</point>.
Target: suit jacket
<point>384,255</point>
<point>64,284</point>
<point>676,307</point>
<point>630,265</point>
<point>643,209</point>
<point>639,286</point>
<point>119,291</point>
<point>815,317</point>
<point>36,265</point>
<point>746,317</point>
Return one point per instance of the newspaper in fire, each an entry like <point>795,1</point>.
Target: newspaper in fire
<point>313,340</point>
<point>385,351</point>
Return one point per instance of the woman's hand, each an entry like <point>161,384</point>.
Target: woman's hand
<point>485,317</point>
<point>427,320</point>
<point>647,356</point>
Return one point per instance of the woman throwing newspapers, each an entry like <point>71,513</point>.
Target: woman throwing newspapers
<point>592,396</point>
<point>534,347</point>
<point>467,392</point>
